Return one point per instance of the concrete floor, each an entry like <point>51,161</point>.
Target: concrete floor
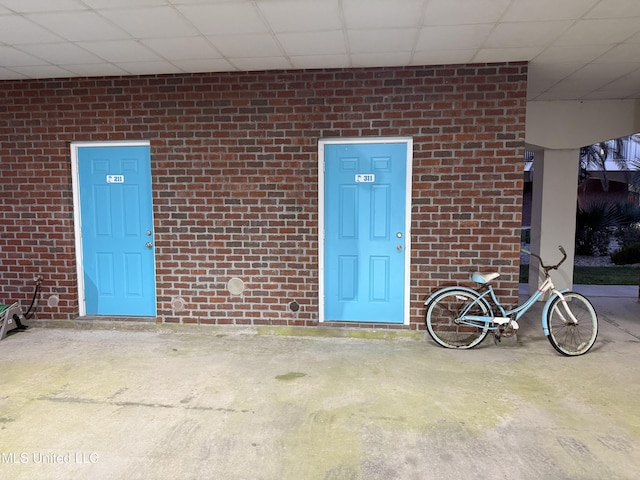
<point>211,403</point>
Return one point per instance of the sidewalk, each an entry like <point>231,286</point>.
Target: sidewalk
<point>231,404</point>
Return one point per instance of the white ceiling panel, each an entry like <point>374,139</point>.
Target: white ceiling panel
<point>225,18</point>
<point>204,65</point>
<point>382,13</point>
<point>262,63</point>
<point>578,48</point>
<point>301,15</point>
<point>442,57</point>
<point>380,59</point>
<point>147,68</point>
<point>547,10</point>
<point>314,43</point>
<point>33,6</point>
<point>12,57</point>
<point>463,12</point>
<point>153,22</point>
<point>625,52</point>
<point>525,34</point>
<point>119,51</point>
<point>79,26</point>
<point>95,70</point>
<point>182,48</point>
<point>598,32</point>
<point>250,46</point>
<point>574,53</point>
<point>60,53</point>
<point>453,37</point>
<point>615,9</point>
<point>42,71</point>
<point>320,61</point>
<point>16,30</point>
<point>382,40</point>
<point>490,55</point>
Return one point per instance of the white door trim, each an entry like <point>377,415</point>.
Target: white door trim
<point>321,213</point>
<point>77,221</point>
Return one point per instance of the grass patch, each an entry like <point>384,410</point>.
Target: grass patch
<point>624,275</point>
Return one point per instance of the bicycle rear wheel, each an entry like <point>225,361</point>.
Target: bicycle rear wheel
<point>442,314</point>
<point>567,337</point>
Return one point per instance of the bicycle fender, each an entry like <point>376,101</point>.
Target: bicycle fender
<point>545,310</point>
<point>448,289</point>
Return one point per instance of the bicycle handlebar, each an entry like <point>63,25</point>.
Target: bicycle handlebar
<point>547,268</point>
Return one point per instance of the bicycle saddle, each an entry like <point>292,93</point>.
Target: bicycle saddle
<point>484,277</point>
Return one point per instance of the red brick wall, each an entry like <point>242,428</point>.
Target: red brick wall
<point>234,164</point>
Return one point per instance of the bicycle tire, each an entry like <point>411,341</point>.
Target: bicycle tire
<point>442,312</point>
<point>568,338</point>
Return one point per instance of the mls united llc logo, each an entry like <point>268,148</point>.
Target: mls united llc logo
<point>21,458</point>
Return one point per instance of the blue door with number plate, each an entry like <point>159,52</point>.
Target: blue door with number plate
<point>117,230</point>
<point>364,236</point>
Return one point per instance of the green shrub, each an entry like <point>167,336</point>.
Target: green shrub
<point>627,255</point>
<point>595,224</point>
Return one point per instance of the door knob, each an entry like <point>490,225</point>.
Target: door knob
<point>399,248</point>
<point>148,244</point>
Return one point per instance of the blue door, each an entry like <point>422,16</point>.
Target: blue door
<point>117,230</point>
<point>364,228</point>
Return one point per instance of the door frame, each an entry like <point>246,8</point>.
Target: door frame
<point>408,141</point>
<point>77,218</point>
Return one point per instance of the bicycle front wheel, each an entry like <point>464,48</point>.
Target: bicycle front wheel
<point>568,337</point>
<point>442,322</point>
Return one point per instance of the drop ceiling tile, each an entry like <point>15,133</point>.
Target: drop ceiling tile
<point>42,71</point>
<point>615,9</point>
<point>525,34</point>
<point>382,40</point>
<point>32,6</point>
<point>489,55</point>
<point>594,76</point>
<point>12,57</point>
<point>380,60</point>
<point>577,53</point>
<point>7,74</point>
<point>120,51</point>
<point>382,13</point>
<point>182,48</point>
<point>443,57</point>
<point>453,37</point>
<point>224,18</point>
<point>625,52</point>
<point>60,53</point>
<point>148,68</point>
<point>100,4</point>
<point>240,46</point>
<point>464,12</point>
<point>320,61</point>
<point>543,10</point>
<point>167,22</point>
<point>261,63</point>
<point>301,15</point>
<point>598,32</point>
<point>204,65</point>
<point>79,26</point>
<point>313,43</point>
<point>17,30</point>
<point>95,70</point>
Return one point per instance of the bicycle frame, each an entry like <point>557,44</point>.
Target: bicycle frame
<point>493,323</point>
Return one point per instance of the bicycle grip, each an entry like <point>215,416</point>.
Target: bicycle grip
<point>561,248</point>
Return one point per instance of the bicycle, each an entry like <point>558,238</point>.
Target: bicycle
<point>461,317</point>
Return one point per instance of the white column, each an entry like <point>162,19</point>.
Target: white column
<point>553,214</point>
